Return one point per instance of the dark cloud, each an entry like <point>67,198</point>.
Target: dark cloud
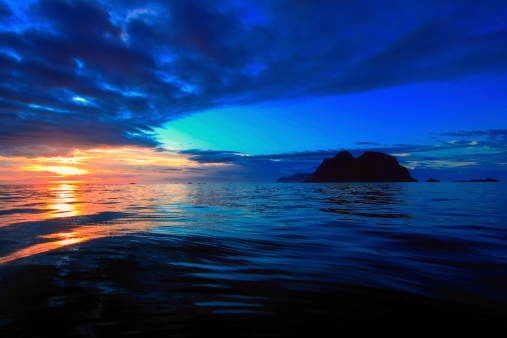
<point>5,11</point>
<point>492,138</point>
<point>211,156</point>
<point>466,133</point>
<point>79,19</point>
<point>368,143</point>
<point>490,133</point>
<point>457,151</point>
<point>136,65</point>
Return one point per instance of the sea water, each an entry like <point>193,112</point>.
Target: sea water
<point>252,260</point>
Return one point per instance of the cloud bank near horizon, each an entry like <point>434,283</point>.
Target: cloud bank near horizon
<point>454,156</point>
<point>85,74</point>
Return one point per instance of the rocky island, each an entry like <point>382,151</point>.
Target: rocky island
<point>369,167</point>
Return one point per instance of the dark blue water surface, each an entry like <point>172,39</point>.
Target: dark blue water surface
<point>254,260</point>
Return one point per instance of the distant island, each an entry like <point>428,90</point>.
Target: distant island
<point>432,180</point>
<point>369,167</point>
<point>296,178</point>
<point>481,180</point>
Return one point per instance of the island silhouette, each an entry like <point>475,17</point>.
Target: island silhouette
<point>344,168</point>
<point>371,166</point>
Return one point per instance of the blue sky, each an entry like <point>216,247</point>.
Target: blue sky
<point>252,90</point>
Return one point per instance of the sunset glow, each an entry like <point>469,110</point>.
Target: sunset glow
<point>107,165</point>
<point>64,171</point>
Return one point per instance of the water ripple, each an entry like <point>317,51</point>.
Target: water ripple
<point>251,260</point>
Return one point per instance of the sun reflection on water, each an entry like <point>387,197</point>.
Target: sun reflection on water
<point>64,201</point>
<point>66,238</point>
<point>75,213</point>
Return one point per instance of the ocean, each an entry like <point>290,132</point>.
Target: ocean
<point>253,260</point>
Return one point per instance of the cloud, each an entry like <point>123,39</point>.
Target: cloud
<point>430,52</point>
<point>139,65</point>
<point>414,151</point>
<point>490,133</point>
<point>5,11</point>
<point>212,156</point>
<point>448,161</point>
<point>493,138</point>
<point>233,157</point>
<point>368,143</point>
<point>466,133</point>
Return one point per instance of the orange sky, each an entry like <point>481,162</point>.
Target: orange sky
<point>113,165</point>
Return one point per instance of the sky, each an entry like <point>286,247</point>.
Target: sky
<point>225,91</point>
